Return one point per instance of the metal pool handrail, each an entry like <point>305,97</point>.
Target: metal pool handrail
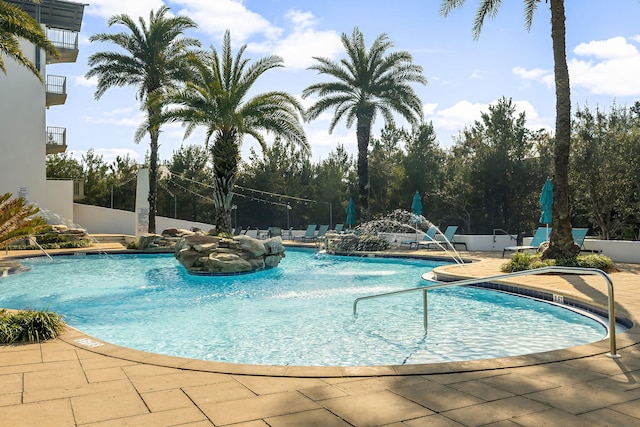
<point>543,270</point>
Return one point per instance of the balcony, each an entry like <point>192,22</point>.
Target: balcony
<point>56,88</point>
<point>67,44</point>
<point>56,140</point>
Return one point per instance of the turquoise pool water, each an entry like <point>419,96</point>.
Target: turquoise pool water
<point>297,314</point>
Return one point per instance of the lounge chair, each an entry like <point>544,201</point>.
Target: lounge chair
<point>237,230</point>
<point>449,239</point>
<point>541,235</point>
<point>275,232</point>
<point>322,231</point>
<point>339,228</point>
<point>428,237</point>
<point>310,234</point>
<point>579,234</point>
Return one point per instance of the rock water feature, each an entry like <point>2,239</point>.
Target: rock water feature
<point>205,254</point>
<point>369,236</point>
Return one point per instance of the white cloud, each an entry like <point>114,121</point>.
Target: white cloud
<point>108,8</point>
<point>118,117</point>
<point>536,74</point>
<point>215,17</point>
<point>302,43</point>
<point>613,48</point>
<point>455,117</point>
<point>451,120</point>
<point>478,74</point>
<point>612,72</point>
<point>602,67</point>
<point>87,82</point>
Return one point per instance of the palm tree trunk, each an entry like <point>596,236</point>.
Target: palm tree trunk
<point>561,243</point>
<point>363,133</point>
<point>153,180</point>
<point>226,156</point>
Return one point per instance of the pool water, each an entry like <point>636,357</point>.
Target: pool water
<point>300,313</point>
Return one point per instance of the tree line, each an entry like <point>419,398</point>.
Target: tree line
<point>489,179</point>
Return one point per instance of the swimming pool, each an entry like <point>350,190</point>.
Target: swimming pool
<point>297,314</point>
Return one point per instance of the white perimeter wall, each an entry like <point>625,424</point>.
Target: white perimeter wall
<point>99,220</point>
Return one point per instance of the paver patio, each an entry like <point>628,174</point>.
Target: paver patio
<point>67,383</point>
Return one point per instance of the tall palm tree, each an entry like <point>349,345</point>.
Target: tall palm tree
<point>154,61</point>
<point>367,83</point>
<point>561,243</point>
<point>216,98</point>
<point>16,24</point>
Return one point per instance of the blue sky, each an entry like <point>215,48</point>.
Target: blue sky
<point>465,75</point>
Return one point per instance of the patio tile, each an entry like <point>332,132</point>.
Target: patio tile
<point>10,399</point>
<point>220,392</point>
<point>437,397</point>
<point>255,408</point>
<point>106,406</point>
<point>104,362</point>
<point>53,412</point>
<point>176,380</point>
<point>68,375</point>
<point>11,383</point>
<point>23,356</point>
<point>581,398</point>
<point>167,399</point>
<point>313,418</point>
<point>322,392</point>
<point>435,420</point>
<point>266,385</point>
<point>106,374</point>
<point>106,387</point>
<point>606,417</point>
<point>481,390</point>
<point>495,411</point>
<point>518,384</point>
<point>375,409</point>
<point>183,417</point>
<point>370,385</point>
<point>631,408</point>
<point>551,418</point>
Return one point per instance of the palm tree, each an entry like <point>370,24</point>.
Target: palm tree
<point>16,24</point>
<point>216,99</point>
<point>17,219</point>
<point>367,83</point>
<point>561,243</point>
<point>155,60</point>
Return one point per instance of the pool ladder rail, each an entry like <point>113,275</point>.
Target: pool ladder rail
<point>566,270</point>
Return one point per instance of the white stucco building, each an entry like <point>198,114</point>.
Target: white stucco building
<point>25,135</point>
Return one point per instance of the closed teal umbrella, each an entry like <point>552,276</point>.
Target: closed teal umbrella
<point>546,203</point>
<point>416,206</point>
<point>351,213</point>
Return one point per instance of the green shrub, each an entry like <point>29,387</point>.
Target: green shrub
<point>82,243</point>
<point>29,326</point>
<point>523,261</point>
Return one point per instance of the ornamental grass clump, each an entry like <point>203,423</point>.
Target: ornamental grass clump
<point>523,261</point>
<point>29,326</point>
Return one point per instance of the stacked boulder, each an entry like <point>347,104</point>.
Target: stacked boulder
<point>205,254</point>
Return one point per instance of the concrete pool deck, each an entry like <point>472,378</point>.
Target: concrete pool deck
<point>65,382</point>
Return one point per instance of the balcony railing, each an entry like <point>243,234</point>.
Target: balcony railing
<point>56,88</point>
<point>67,44</point>
<point>56,140</point>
